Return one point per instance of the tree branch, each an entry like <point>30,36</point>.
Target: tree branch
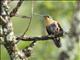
<point>29,38</point>
<point>2,20</point>
<point>27,49</point>
<point>14,11</point>
<point>6,33</point>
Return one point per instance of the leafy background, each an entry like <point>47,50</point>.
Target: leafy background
<point>58,10</point>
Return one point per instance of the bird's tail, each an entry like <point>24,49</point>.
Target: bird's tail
<point>57,42</point>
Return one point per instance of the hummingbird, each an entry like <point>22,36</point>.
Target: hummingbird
<point>53,28</point>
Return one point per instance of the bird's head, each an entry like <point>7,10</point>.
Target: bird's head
<point>46,17</point>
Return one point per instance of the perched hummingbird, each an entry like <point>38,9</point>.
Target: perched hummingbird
<point>53,28</point>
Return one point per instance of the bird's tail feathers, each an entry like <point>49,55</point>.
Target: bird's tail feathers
<point>57,42</point>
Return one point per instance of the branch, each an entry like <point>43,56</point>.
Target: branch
<point>29,38</point>
<point>23,16</point>
<point>14,11</point>
<point>1,35</point>
<point>27,50</point>
<point>7,37</point>
<point>2,20</point>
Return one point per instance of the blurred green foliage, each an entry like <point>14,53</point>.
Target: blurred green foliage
<point>44,50</point>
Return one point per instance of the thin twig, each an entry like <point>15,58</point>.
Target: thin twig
<point>29,22</point>
<point>23,16</point>
<point>27,27</point>
<point>27,49</point>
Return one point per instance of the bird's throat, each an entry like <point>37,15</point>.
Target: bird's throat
<point>49,21</point>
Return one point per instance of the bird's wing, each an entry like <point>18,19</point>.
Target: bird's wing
<point>61,30</point>
<point>51,29</point>
<point>59,26</point>
<point>48,30</point>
